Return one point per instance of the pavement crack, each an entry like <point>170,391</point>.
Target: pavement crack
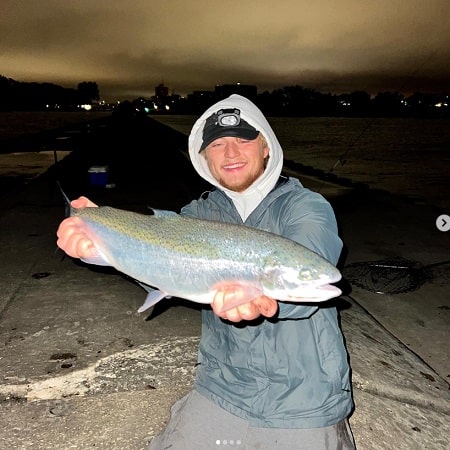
<point>406,396</point>
<point>169,361</point>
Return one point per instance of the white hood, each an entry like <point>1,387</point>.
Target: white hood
<point>248,200</point>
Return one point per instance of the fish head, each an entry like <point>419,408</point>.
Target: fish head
<point>302,284</point>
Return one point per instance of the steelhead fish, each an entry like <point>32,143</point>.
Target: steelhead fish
<point>180,256</point>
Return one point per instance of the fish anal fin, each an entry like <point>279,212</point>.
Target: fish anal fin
<point>153,297</point>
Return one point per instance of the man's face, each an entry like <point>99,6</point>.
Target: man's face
<point>235,162</point>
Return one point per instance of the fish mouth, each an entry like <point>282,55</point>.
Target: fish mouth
<point>319,293</point>
<point>328,289</point>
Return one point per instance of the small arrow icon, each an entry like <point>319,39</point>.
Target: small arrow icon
<point>443,222</point>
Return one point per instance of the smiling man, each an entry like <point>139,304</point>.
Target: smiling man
<point>235,151</point>
<point>270,374</point>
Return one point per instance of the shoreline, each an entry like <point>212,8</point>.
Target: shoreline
<point>17,124</point>
<point>338,191</point>
<point>22,132</point>
<point>46,138</point>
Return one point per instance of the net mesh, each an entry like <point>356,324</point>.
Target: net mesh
<point>394,276</point>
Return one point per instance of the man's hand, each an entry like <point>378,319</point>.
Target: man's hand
<point>71,237</point>
<point>259,306</point>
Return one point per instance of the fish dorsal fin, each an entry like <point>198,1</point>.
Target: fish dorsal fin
<point>163,213</point>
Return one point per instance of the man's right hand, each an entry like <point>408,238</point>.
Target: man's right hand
<point>71,237</point>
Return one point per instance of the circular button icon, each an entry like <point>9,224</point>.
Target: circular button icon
<point>443,222</point>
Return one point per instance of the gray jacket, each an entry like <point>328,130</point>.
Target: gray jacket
<point>290,371</point>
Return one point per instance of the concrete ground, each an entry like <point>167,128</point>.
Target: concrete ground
<point>80,368</point>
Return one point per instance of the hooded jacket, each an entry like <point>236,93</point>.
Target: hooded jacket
<point>289,371</point>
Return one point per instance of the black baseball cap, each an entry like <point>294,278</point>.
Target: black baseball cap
<point>226,122</point>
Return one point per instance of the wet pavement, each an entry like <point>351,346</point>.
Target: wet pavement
<point>80,368</point>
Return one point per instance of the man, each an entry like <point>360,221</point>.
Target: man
<point>271,375</point>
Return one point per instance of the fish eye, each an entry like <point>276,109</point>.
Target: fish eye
<point>305,274</point>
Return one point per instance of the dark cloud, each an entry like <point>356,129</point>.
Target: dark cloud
<point>130,47</point>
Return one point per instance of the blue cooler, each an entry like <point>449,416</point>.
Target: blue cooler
<point>98,176</point>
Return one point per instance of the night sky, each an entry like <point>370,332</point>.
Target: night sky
<point>130,47</point>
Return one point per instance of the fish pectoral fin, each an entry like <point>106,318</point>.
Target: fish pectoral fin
<point>98,259</point>
<point>153,297</point>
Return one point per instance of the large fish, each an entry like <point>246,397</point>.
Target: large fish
<point>174,255</point>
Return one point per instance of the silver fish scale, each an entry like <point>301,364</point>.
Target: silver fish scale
<point>185,235</point>
<point>184,256</point>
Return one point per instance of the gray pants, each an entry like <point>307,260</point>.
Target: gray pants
<point>196,423</point>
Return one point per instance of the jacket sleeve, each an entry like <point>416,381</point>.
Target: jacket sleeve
<point>310,221</point>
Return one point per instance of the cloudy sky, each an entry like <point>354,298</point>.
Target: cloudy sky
<point>129,47</point>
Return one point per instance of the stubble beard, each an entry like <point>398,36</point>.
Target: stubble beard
<point>244,185</point>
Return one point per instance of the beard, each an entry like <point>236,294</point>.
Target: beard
<point>243,185</point>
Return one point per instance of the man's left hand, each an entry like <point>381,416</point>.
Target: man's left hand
<point>259,306</point>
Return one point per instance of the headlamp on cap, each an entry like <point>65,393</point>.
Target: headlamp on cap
<point>227,122</point>
<point>228,117</point>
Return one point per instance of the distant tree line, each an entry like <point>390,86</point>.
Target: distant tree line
<point>287,101</point>
<point>296,101</point>
<point>26,96</point>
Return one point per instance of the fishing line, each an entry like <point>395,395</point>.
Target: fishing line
<point>342,158</point>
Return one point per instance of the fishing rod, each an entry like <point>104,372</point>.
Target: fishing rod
<point>342,159</point>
